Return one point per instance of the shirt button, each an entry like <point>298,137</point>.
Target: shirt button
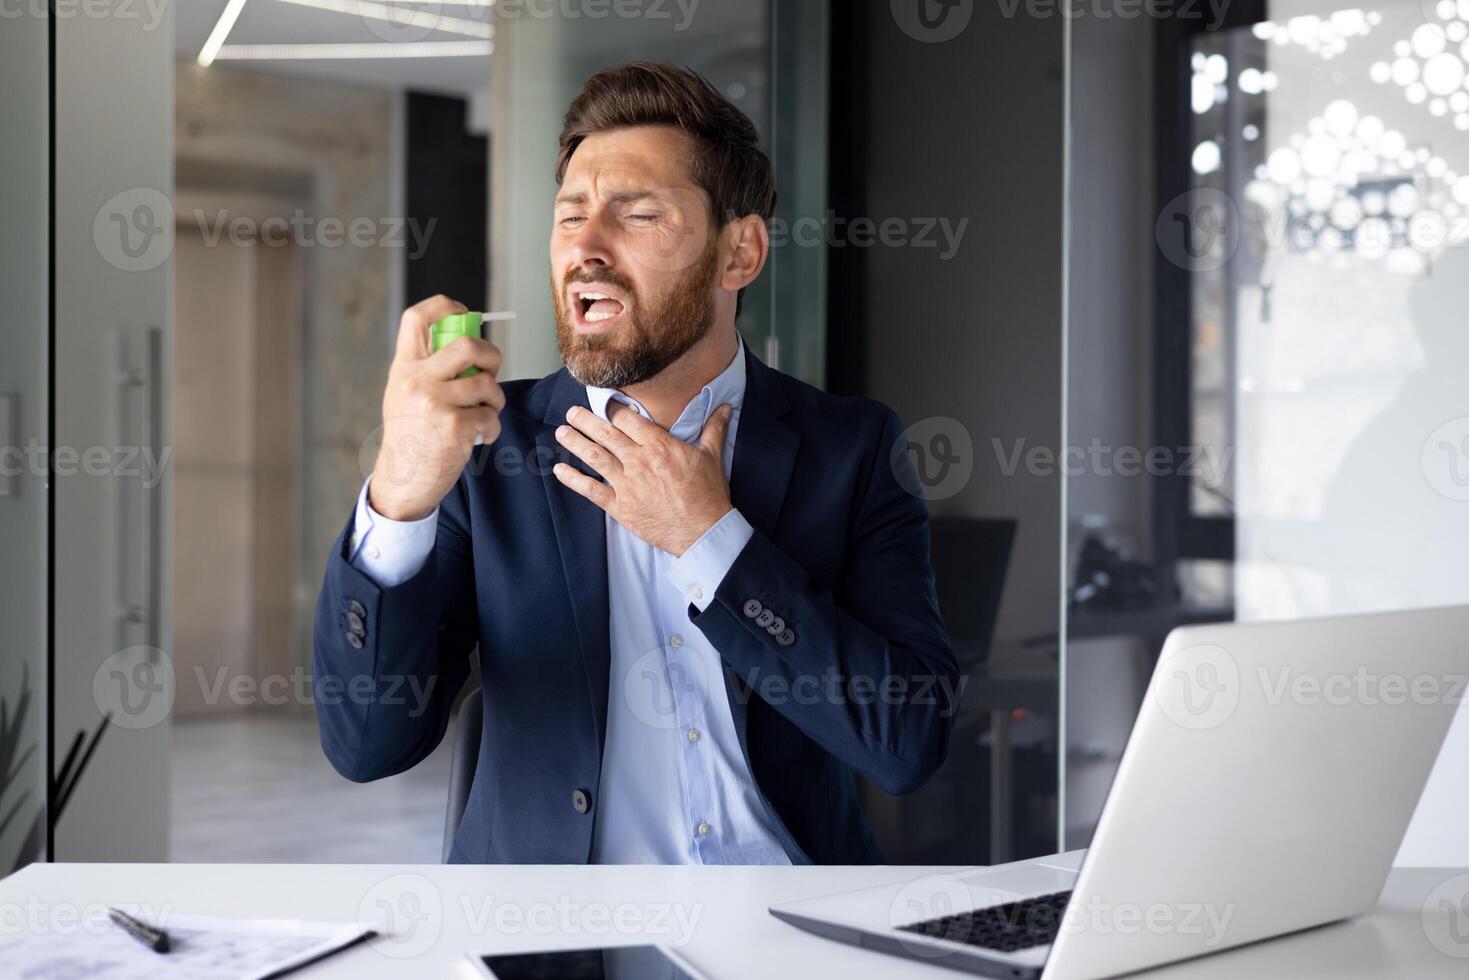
<point>373,552</point>
<point>675,641</point>
<point>704,829</point>
<point>696,592</point>
<point>694,735</point>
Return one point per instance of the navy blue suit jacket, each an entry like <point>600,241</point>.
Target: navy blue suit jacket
<point>519,570</point>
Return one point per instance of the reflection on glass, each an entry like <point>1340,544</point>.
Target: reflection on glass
<point>23,261</point>
<point>1324,342</point>
<point>1323,252</point>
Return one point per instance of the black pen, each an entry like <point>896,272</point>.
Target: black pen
<point>154,939</point>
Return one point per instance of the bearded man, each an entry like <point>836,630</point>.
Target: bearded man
<point>699,595</point>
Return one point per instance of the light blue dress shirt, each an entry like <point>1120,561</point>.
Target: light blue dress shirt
<point>675,787</point>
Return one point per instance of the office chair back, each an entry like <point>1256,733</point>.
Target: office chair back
<point>463,759</point>
<point>970,557</point>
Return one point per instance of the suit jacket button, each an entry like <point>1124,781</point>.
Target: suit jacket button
<point>581,800</point>
<point>355,623</point>
<point>777,626</point>
<point>354,640</point>
<point>356,608</point>
<point>752,608</point>
<point>786,637</point>
<point>765,618</point>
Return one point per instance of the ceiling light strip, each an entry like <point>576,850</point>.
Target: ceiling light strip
<point>401,16</point>
<point>222,28</point>
<point>314,52</point>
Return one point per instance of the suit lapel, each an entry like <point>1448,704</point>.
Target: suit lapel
<point>764,459</point>
<point>765,449</point>
<point>581,537</point>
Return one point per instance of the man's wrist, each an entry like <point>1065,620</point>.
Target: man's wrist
<point>698,572</point>
<point>703,528</point>
<point>405,512</point>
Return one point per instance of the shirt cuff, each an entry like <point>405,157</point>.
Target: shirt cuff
<point>700,569</point>
<point>387,551</point>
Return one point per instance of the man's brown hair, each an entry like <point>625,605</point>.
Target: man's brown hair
<point>728,162</point>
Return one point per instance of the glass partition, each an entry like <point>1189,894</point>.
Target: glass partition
<point>24,247</point>
<point>1281,232</point>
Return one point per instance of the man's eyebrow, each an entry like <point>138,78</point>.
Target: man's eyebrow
<point>624,197</point>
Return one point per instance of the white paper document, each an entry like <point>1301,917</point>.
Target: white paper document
<point>201,948</point>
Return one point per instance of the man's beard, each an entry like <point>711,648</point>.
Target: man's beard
<point>649,340</point>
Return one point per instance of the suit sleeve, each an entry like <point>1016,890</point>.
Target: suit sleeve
<point>388,662</point>
<point>866,671</point>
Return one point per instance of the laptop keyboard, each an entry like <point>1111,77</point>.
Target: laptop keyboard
<point>1006,928</point>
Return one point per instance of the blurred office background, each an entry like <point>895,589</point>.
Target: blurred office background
<point>1220,261</point>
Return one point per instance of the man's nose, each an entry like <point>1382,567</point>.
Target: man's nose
<point>590,246</point>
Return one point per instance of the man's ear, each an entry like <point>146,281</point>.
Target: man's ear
<point>748,244</point>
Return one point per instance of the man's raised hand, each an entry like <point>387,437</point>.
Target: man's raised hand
<point>432,419</point>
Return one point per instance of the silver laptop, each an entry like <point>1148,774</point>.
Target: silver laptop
<point>1266,787</point>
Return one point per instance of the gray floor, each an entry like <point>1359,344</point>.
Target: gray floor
<point>255,787</point>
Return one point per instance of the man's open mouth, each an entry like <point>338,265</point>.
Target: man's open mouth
<point>595,306</point>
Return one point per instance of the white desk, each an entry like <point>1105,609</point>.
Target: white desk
<point>716,916</point>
